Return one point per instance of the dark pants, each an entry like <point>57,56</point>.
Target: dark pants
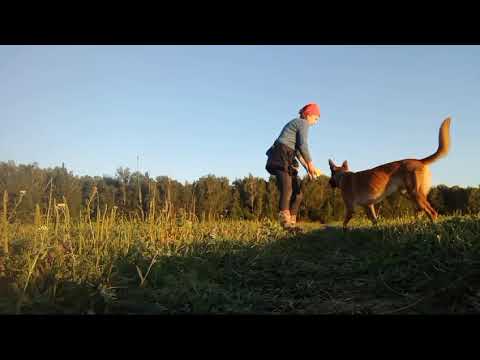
<point>290,192</point>
<point>282,164</point>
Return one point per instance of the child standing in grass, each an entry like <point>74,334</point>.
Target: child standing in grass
<point>292,143</point>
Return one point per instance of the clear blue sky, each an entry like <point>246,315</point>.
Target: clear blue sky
<point>189,111</point>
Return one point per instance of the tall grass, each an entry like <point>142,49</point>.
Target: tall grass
<point>5,222</point>
<point>167,262</point>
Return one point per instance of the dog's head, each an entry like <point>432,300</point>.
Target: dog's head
<point>336,173</point>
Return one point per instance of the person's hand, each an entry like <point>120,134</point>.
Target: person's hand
<point>311,170</point>
<point>318,172</point>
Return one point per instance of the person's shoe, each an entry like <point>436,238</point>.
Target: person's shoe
<point>293,222</point>
<point>288,222</point>
<point>284,219</point>
<point>293,219</point>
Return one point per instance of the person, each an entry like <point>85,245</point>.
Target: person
<point>292,144</point>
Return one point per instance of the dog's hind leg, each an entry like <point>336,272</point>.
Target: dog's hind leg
<point>416,187</point>
<point>431,209</point>
<point>422,202</point>
<point>418,210</point>
<point>370,210</point>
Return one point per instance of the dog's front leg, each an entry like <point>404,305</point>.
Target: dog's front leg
<point>348,217</point>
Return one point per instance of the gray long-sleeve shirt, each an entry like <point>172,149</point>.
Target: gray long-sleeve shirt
<point>295,136</point>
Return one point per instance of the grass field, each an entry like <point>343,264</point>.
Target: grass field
<point>109,265</point>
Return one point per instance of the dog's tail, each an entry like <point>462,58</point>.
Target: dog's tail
<point>443,143</point>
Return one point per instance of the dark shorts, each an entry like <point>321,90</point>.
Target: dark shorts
<point>281,158</point>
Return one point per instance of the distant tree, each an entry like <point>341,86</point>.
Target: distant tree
<point>234,209</point>
<point>272,196</point>
<point>436,198</point>
<point>124,176</point>
<point>474,201</point>
<point>210,196</point>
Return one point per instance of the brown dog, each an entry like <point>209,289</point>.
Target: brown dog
<point>410,176</point>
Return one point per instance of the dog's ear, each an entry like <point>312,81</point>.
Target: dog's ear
<point>332,165</point>
<point>345,165</point>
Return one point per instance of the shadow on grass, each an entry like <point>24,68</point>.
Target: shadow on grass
<point>406,269</point>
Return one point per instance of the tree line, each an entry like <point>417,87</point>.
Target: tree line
<point>209,197</point>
